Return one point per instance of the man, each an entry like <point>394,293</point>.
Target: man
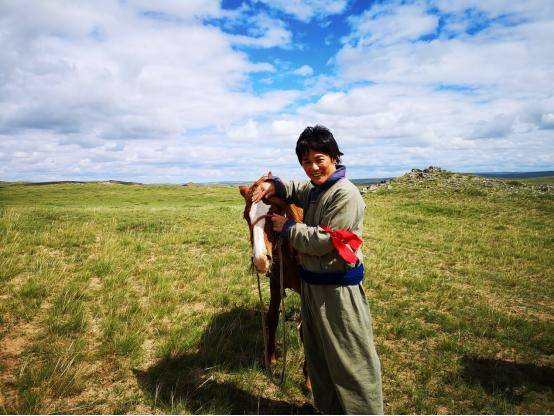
<point>342,362</point>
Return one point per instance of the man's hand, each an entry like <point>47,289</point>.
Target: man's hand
<point>264,190</point>
<point>278,222</point>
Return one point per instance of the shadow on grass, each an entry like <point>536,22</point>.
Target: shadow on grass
<point>511,380</point>
<point>231,342</point>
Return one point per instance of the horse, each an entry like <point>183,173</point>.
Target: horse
<point>265,256</point>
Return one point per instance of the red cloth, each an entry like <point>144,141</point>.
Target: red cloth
<point>345,242</point>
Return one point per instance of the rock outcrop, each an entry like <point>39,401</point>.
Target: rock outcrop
<point>436,177</point>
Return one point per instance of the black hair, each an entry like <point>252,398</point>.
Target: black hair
<point>317,138</point>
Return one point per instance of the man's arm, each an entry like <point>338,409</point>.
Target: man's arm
<point>342,213</point>
<point>293,192</point>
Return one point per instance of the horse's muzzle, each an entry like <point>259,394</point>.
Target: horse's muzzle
<point>262,264</point>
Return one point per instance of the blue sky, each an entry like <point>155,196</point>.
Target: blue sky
<point>207,90</point>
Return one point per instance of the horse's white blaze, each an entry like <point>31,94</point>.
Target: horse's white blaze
<point>259,249</point>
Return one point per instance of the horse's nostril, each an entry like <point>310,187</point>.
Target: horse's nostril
<point>269,257</point>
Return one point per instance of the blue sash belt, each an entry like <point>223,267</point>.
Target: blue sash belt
<point>351,277</point>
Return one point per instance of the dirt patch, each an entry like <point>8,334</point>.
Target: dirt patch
<point>148,347</point>
<point>18,337</point>
<point>95,283</point>
<point>92,398</point>
<point>17,281</point>
<point>11,347</point>
<point>197,306</point>
<point>50,252</point>
<point>192,308</point>
<point>510,303</point>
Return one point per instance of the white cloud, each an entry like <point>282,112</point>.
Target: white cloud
<point>387,129</point>
<point>248,131</point>
<point>81,82</point>
<point>484,94</point>
<point>303,71</point>
<point>384,24</point>
<point>305,10</point>
<point>181,9</point>
<point>118,90</point>
<point>547,121</point>
<point>499,126</point>
<point>265,32</point>
<point>144,78</point>
<point>530,9</point>
<point>287,127</point>
<point>383,48</point>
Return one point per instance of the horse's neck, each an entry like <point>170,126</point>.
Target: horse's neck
<point>294,213</point>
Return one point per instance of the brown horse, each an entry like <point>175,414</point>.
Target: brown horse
<point>265,256</point>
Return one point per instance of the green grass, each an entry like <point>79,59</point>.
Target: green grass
<point>549,180</point>
<point>139,299</point>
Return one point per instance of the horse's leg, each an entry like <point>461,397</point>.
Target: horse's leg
<point>273,315</point>
<point>305,366</point>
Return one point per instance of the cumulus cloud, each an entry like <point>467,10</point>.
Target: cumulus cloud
<point>547,121</point>
<point>165,91</point>
<point>143,77</point>
<point>305,10</point>
<point>450,86</point>
<point>386,45</point>
<point>248,131</point>
<point>303,71</point>
<point>186,10</point>
<point>265,32</point>
<point>499,126</point>
<point>385,24</point>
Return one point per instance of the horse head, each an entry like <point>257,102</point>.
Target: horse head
<point>262,236</point>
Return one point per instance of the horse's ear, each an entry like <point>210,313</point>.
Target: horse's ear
<point>269,175</point>
<point>243,190</point>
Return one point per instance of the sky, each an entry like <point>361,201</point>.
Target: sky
<point>177,91</point>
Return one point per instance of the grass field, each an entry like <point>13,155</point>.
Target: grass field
<point>139,299</point>
<point>540,180</point>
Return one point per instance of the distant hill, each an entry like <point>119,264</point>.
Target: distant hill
<point>107,182</point>
<point>516,175</point>
<point>370,181</point>
<point>506,175</point>
<point>357,181</point>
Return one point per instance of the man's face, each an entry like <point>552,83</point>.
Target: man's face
<point>318,166</point>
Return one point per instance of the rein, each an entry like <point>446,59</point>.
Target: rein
<point>264,329</point>
<point>281,279</point>
<point>282,317</point>
<point>282,308</point>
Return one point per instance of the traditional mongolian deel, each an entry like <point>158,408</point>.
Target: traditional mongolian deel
<point>336,323</point>
<point>336,204</point>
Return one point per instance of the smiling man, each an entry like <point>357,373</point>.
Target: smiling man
<point>336,323</point>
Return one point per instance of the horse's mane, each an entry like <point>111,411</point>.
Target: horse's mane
<point>292,211</point>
